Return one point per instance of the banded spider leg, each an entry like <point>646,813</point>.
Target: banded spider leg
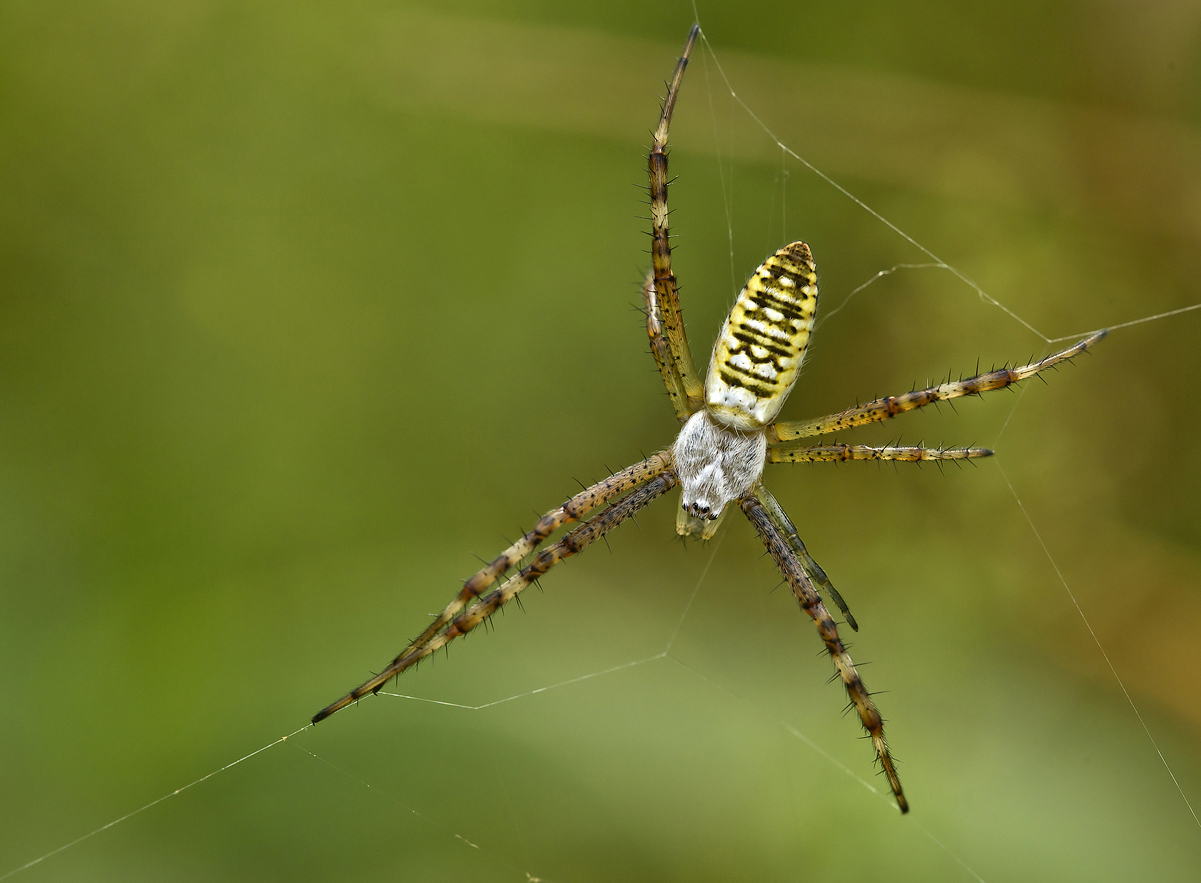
<point>664,318</point>
<point>890,406</point>
<point>775,537</point>
<point>647,480</point>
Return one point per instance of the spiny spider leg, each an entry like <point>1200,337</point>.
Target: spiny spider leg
<point>814,570</point>
<point>790,453</point>
<point>891,406</point>
<point>802,588</point>
<point>573,543</point>
<point>661,350</point>
<point>574,509</point>
<point>664,320</point>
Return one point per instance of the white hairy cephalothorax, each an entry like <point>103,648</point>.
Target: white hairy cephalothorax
<point>716,465</point>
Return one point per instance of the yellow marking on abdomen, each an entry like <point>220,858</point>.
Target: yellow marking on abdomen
<point>758,354</point>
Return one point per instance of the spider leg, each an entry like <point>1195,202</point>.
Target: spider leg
<point>574,509</point>
<point>812,569</point>
<point>661,350</point>
<point>461,621</point>
<point>781,550</point>
<point>790,452</point>
<point>891,406</point>
<point>664,320</point>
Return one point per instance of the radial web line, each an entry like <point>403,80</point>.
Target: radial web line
<point>801,737</point>
<point>984,295</point>
<point>585,677</point>
<point>1022,388</point>
<point>1016,401</point>
<point>1097,641</point>
<point>939,262</point>
<point>721,171</point>
<point>492,854</point>
<point>1165,315</point>
<point>696,590</point>
<point>141,809</point>
<point>534,692</point>
<point>943,847</point>
<point>879,275</point>
<point>783,195</point>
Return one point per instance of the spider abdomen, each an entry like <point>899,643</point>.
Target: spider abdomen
<point>758,353</point>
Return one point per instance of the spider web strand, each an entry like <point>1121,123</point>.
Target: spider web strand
<point>150,805</point>
<point>817,749</point>
<point>1132,322</point>
<point>534,692</point>
<point>585,677</point>
<point>1097,641</point>
<point>983,295</point>
<point>880,275</point>
<point>726,198</point>
<point>492,854</point>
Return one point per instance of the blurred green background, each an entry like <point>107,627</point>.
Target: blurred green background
<point>303,305</point>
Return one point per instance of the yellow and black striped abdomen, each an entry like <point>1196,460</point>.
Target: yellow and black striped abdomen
<point>759,351</point>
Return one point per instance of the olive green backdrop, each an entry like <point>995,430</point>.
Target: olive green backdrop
<point>304,304</point>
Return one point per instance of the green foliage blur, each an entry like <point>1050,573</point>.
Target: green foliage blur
<point>303,305</point>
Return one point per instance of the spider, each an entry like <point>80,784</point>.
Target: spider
<point>728,434</point>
